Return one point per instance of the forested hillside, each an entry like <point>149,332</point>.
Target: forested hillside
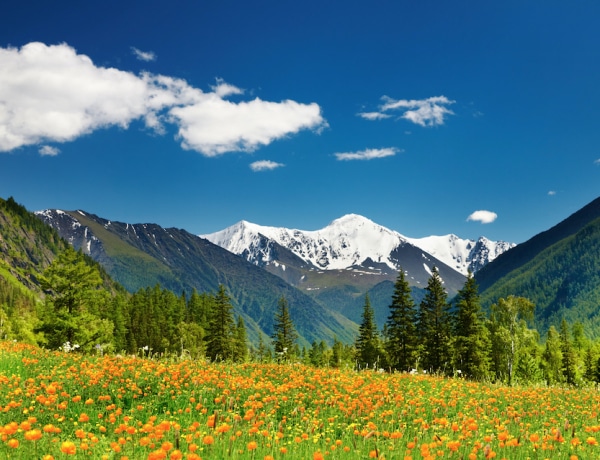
<point>558,270</point>
<point>143,255</point>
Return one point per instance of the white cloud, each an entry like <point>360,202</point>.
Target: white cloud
<point>265,165</point>
<point>223,89</point>
<point>146,56</point>
<point>48,150</point>
<point>551,193</point>
<point>597,162</point>
<point>53,94</point>
<point>424,112</point>
<point>373,115</point>
<point>214,126</point>
<point>485,217</point>
<point>368,154</point>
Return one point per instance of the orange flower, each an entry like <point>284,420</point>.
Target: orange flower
<point>176,455</point>
<point>68,447</point>
<point>591,441</point>
<point>208,439</point>
<point>13,443</point>
<point>252,445</point>
<point>453,445</point>
<point>33,435</point>
<point>318,456</point>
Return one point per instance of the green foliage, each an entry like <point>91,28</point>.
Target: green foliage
<point>552,358</point>
<point>75,303</point>
<point>509,332</point>
<point>220,333</point>
<point>402,340</point>
<point>284,332</point>
<point>369,352</point>
<point>563,280</point>
<point>434,325</point>
<point>471,337</point>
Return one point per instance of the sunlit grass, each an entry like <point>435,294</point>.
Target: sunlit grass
<point>59,405</point>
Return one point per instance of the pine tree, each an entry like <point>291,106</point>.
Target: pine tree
<point>471,338</point>
<point>368,352</point>
<point>240,353</point>
<point>263,353</point>
<point>75,299</point>
<point>590,365</point>
<point>568,354</point>
<point>401,326</point>
<point>552,357</point>
<point>284,333</point>
<point>434,325</point>
<point>219,336</point>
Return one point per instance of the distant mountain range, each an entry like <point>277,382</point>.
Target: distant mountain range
<point>332,268</point>
<point>323,274</point>
<point>354,241</point>
<point>326,273</point>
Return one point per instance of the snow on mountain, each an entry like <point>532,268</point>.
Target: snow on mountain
<point>460,254</point>
<point>345,242</point>
<point>350,241</point>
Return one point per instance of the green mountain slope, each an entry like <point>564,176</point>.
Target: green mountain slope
<point>558,270</point>
<point>143,255</point>
<point>527,251</point>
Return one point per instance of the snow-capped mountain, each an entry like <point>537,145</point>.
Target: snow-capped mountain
<point>350,241</point>
<point>462,255</point>
<point>346,242</point>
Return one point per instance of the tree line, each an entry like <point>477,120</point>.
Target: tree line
<point>456,338</point>
<point>437,336</point>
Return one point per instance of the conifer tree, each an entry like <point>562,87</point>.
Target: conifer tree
<point>284,333</point>
<point>471,337</point>
<point>263,353</point>
<point>74,301</point>
<point>434,325</point>
<point>240,353</point>
<point>401,326</point>
<point>219,336</point>
<point>337,351</point>
<point>568,354</point>
<point>552,357</point>
<point>368,352</point>
<point>590,365</point>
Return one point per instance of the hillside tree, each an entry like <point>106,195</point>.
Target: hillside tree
<point>402,340</point>
<point>220,332</point>
<point>284,332</point>
<point>471,337</point>
<point>368,351</point>
<point>569,356</point>
<point>434,325</point>
<point>552,357</point>
<point>76,303</point>
<point>508,326</point>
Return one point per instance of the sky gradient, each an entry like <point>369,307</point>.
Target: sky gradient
<point>430,118</point>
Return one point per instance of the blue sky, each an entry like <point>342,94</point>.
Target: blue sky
<point>417,115</point>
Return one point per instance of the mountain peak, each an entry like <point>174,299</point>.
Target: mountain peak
<point>352,239</point>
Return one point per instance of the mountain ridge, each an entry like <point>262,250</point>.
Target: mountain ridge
<point>142,255</point>
<point>350,240</point>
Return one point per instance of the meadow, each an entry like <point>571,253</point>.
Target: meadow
<point>57,405</point>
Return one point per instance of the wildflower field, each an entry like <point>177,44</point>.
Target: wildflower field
<point>56,405</point>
